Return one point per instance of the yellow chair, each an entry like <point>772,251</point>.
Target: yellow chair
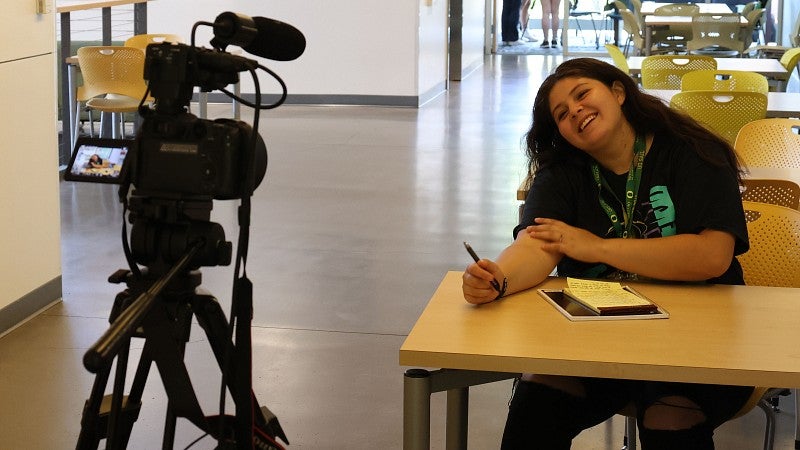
<point>774,254</point>
<point>723,113</point>
<point>789,60</point>
<point>775,192</point>
<point>141,41</point>
<point>716,35</point>
<point>753,21</point>
<point>618,57</point>
<point>665,71</point>
<point>728,80</point>
<point>773,142</point>
<point>112,81</point>
<point>634,31</point>
<point>673,39</point>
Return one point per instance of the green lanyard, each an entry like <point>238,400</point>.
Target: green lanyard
<point>631,190</point>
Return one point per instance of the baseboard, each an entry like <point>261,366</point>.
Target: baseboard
<point>29,305</point>
<point>313,99</point>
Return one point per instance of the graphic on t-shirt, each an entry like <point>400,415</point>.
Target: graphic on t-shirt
<point>654,217</point>
<point>662,211</point>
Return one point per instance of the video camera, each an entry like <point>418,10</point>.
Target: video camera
<point>178,164</point>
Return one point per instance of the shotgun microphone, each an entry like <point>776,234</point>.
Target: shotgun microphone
<point>260,36</point>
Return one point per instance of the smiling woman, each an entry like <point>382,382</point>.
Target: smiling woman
<point>624,188</point>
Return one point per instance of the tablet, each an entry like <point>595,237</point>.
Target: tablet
<point>576,311</point>
<point>98,160</point>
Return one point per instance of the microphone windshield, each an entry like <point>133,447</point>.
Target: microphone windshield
<point>276,40</point>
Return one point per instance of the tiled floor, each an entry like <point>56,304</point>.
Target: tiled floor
<point>362,211</point>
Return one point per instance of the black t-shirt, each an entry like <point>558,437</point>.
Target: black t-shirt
<point>679,193</point>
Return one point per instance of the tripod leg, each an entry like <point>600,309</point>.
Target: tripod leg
<point>90,434</point>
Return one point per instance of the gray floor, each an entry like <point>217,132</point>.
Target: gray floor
<point>362,212</point>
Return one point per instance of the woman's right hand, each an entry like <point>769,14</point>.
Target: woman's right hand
<point>477,281</point>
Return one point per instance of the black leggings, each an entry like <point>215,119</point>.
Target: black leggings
<point>541,417</point>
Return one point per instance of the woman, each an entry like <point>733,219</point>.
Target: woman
<point>550,22</point>
<point>624,188</point>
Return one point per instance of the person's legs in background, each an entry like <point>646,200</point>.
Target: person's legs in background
<point>550,22</point>
<point>509,22</point>
<point>523,21</point>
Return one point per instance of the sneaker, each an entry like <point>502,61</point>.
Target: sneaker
<point>544,44</point>
<point>528,37</point>
<point>513,43</point>
<point>554,43</point>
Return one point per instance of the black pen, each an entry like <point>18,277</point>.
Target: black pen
<point>475,256</point>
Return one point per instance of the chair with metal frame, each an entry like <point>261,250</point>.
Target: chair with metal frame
<point>618,57</point>
<point>724,113</point>
<point>775,192</point>
<point>576,14</point>
<point>673,39</point>
<point>724,80</point>
<point>716,35</point>
<point>665,71</point>
<point>112,82</point>
<point>634,31</point>
<point>141,41</point>
<point>773,142</point>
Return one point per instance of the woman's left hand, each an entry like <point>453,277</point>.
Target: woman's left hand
<point>559,237</point>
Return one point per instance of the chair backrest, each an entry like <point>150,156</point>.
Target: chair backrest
<point>716,30</point>
<point>111,70</point>
<point>790,59</point>
<point>775,192</point>
<point>753,18</point>
<point>665,71</point>
<point>631,26</point>
<point>677,9</point>
<point>724,80</point>
<point>618,57</point>
<point>724,113</point>
<point>749,7</point>
<point>141,41</point>
<point>773,142</point>
<point>774,254</point>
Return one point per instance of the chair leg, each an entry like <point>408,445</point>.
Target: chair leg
<point>629,442</point>
<point>769,433</point>
<point>796,418</point>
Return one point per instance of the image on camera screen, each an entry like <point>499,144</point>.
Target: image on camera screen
<point>98,160</point>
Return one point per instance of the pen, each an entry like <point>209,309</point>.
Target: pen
<point>475,256</point>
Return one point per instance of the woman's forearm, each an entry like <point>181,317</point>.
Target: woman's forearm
<point>684,257</point>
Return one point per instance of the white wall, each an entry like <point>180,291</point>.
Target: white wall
<point>355,48</point>
<point>30,255</point>
<point>473,37</point>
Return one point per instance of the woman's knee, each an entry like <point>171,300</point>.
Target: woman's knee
<point>673,413</point>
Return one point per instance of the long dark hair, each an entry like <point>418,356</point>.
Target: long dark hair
<point>646,114</point>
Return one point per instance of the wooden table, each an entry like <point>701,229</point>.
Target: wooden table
<point>64,8</point>
<point>765,66</point>
<point>734,335</point>
<point>779,104</point>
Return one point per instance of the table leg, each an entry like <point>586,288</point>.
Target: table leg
<point>648,34</point>
<point>457,419</point>
<point>417,410</point>
<point>418,386</point>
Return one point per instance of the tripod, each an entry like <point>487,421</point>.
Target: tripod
<point>158,306</point>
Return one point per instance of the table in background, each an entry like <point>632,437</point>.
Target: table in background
<point>779,104</point>
<point>64,8</point>
<point>765,66</point>
<point>753,343</point>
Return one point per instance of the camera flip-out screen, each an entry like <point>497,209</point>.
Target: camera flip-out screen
<point>98,160</point>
